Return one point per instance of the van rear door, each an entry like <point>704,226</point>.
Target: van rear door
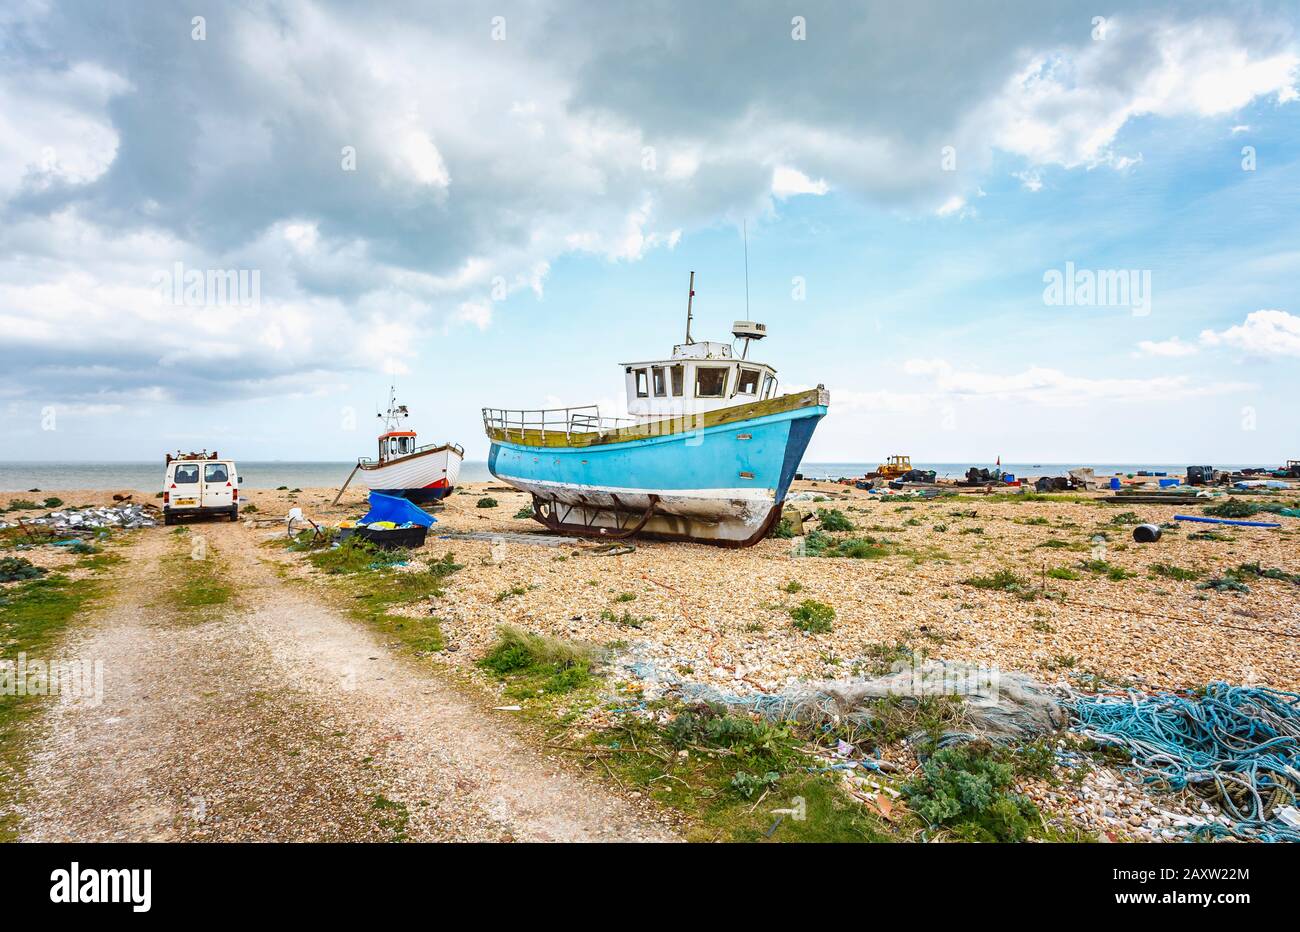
<point>184,487</point>
<point>218,485</point>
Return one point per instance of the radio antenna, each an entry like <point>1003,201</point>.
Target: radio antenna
<point>744,227</point>
<point>690,297</point>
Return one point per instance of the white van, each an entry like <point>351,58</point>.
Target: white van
<point>199,485</point>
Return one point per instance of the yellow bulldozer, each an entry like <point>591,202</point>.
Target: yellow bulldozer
<point>894,467</point>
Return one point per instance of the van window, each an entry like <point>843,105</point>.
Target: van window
<point>186,474</point>
<point>642,388</point>
<point>679,377</point>
<point>215,472</point>
<point>710,382</point>
<point>748,384</point>
<point>661,389</point>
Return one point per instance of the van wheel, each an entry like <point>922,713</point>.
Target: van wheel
<point>167,520</point>
<point>234,514</point>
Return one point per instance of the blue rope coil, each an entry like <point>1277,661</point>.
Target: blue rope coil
<point>1240,744</point>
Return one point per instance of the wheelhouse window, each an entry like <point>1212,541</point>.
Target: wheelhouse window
<point>679,380</point>
<point>185,475</point>
<point>710,381</point>
<point>769,384</point>
<point>216,472</point>
<point>642,385</point>
<point>661,388</point>
<point>748,382</point>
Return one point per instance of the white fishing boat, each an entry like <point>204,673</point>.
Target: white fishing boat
<point>403,467</point>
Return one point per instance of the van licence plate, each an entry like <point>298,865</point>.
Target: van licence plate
<point>187,501</point>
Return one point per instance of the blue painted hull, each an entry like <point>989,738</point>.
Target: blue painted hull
<point>722,484</point>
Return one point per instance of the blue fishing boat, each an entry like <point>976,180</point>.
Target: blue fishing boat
<point>706,453</point>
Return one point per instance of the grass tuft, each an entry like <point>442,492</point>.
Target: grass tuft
<point>534,663</point>
<point>1004,579</point>
<point>1168,571</point>
<point>12,569</point>
<point>813,616</point>
<point>355,555</point>
<point>833,520</point>
<point>1104,568</point>
<point>1232,508</point>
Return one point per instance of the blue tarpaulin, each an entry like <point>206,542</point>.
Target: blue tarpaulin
<point>397,510</point>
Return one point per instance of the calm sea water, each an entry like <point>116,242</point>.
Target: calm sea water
<point>147,477</point>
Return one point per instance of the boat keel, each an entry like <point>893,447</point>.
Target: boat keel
<point>621,523</point>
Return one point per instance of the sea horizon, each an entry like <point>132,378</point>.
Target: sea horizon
<point>146,475</point>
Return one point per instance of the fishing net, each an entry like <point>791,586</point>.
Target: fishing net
<point>1237,745</point>
<point>998,705</point>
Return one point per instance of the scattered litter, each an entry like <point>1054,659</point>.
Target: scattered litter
<point>508,708</point>
<point>539,540</point>
<point>610,550</point>
<point>126,515</point>
<point>1146,533</point>
<point>1225,521</point>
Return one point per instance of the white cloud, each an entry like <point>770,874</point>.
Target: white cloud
<point>787,182</point>
<point>953,205</point>
<point>1263,333</point>
<point>1054,388</point>
<point>423,159</point>
<point>1173,347</point>
<point>477,313</point>
<point>1030,180</point>
<point>476,168</point>
<point>1067,106</point>
<point>55,127</point>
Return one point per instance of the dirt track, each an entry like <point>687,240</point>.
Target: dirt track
<point>277,717</point>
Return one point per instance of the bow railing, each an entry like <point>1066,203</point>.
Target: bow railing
<point>584,419</point>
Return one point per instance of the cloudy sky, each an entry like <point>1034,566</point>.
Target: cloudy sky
<point>496,204</point>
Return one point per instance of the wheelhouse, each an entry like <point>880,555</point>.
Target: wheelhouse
<point>699,377</point>
<point>396,443</point>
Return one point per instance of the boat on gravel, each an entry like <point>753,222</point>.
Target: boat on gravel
<point>405,469</point>
<point>706,453</point>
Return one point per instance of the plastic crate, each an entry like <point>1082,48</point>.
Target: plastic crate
<point>396,537</point>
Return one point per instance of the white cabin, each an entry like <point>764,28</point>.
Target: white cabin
<point>699,377</point>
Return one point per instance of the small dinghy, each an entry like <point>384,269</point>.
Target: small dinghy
<point>707,453</point>
<point>402,468</point>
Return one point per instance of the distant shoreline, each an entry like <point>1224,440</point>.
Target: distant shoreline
<point>146,476</point>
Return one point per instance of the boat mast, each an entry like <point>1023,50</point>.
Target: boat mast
<point>690,295</point>
<point>395,411</point>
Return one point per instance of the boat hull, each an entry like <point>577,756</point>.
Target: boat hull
<point>421,477</point>
<point>721,484</point>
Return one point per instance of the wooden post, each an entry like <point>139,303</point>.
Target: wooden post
<point>345,484</point>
